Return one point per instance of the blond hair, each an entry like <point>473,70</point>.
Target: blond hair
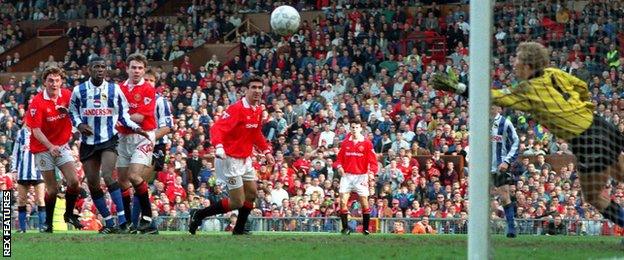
<point>533,54</point>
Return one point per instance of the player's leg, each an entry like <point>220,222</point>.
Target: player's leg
<point>592,186</point>
<point>91,167</point>
<point>365,214</point>
<point>68,169</point>
<point>251,193</point>
<point>109,158</point>
<point>509,208</point>
<point>230,170</point>
<point>123,179</point>
<point>345,192</point>
<point>39,197</point>
<point>51,187</point>
<point>22,194</point>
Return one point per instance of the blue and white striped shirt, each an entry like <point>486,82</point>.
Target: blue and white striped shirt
<point>164,117</point>
<point>23,159</point>
<point>505,142</point>
<point>100,107</point>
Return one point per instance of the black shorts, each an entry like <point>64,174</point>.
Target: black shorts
<point>87,151</point>
<point>502,178</point>
<point>29,182</point>
<point>599,147</point>
<point>158,157</point>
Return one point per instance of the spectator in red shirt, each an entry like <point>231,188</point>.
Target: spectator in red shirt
<point>175,190</point>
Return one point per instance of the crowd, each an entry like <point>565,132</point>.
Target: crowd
<point>354,64</point>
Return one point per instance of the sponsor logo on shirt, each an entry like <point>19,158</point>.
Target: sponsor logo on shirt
<point>97,112</point>
<point>356,154</point>
<point>496,138</point>
<point>55,118</point>
<point>251,126</point>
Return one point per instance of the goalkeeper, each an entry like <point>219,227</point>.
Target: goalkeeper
<point>561,102</point>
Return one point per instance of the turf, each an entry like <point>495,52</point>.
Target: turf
<point>178,245</point>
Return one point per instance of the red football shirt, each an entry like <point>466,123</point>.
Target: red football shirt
<point>239,129</point>
<point>142,100</point>
<point>357,157</point>
<point>42,113</point>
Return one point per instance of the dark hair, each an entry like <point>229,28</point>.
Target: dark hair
<point>53,70</point>
<point>137,57</point>
<point>96,59</point>
<point>355,121</point>
<point>254,78</point>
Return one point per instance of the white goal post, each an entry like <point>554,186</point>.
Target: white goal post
<point>480,43</point>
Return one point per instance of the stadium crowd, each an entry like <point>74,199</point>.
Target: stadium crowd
<point>354,64</point>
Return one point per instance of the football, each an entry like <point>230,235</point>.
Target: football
<point>285,20</point>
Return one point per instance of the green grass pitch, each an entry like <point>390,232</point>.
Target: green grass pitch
<point>263,245</point>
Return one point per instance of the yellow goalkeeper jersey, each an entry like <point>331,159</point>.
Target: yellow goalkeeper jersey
<point>558,100</point>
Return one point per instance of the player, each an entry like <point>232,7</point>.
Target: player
<point>505,143</point>
<point>561,103</point>
<point>164,119</point>
<point>135,151</point>
<point>51,129</point>
<point>355,161</point>
<point>27,176</point>
<point>96,106</point>
<point>234,136</point>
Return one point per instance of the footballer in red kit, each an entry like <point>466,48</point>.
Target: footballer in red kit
<point>234,135</point>
<point>135,151</point>
<point>355,161</point>
<point>49,120</point>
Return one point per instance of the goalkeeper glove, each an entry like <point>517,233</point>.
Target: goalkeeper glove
<point>445,83</point>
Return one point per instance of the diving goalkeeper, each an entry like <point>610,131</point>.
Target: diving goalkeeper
<point>561,102</point>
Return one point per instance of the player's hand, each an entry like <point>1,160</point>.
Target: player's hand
<point>443,82</point>
<point>269,158</point>
<point>220,153</point>
<point>85,129</point>
<point>142,132</point>
<point>503,167</point>
<point>55,151</point>
<point>62,110</point>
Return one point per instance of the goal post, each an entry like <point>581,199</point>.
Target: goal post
<point>479,126</point>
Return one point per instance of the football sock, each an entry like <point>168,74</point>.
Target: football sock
<point>21,217</point>
<point>71,196</point>
<point>50,201</point>
<point>243,214</point>
<point>100,204</point>
<point>115,193</point>
<point>220,207</point>
<point>125,197</point>
<point>136,210</point>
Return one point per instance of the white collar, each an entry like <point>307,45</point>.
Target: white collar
<point>129,83</point>
<point>47,97</point>
<point>246,104</point>
<point>92,84</point>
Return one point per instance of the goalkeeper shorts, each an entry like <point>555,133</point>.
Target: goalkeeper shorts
<point>599,147</point>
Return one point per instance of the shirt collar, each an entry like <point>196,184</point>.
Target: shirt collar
<point>129,83</point>
<point>47,97</point>
<point>247,105</point>
<point>93,84</point>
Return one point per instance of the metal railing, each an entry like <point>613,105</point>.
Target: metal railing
<point>583,227</point>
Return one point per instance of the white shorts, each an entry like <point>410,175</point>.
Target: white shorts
<point>354,183</point>
<point>135,148</point>
<point>46,162</point>
<point>233,171</point>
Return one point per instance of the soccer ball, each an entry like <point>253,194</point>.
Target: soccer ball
<point>285,20</point>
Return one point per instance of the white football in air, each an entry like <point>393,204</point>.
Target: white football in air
<point>285,20</point>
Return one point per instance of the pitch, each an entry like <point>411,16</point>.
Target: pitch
<point>265,245</point>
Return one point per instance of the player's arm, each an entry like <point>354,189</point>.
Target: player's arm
<point>578,86</point>
<point>34,123</point>
<point>513,98</point>
<point>165,118</point>
<point>74,112</point>
<point>74,107</point>
<point>340,159</point>
<point>122,110</point>
<point>224,125</point>
<point>512,137</point>
<point>373,165</point>
<point>16,150</point>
